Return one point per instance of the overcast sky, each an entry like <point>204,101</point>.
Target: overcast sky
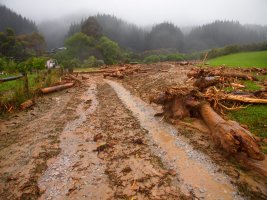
<point>147,12</point>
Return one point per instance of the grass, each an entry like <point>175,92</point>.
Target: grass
<point>254,116</point>
<point>12,92</point>
<point>245,59</point>
<point>251,86</point>
<point>86,69</point>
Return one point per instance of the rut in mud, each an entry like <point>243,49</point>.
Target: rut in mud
<point>133,170</point>
<point>197,172</point>
<point>101,142</point>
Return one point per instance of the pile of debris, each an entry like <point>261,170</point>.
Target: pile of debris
<point>202,96</point>
<point>121,71</point>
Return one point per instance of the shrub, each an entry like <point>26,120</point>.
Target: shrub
<point>91,62</point>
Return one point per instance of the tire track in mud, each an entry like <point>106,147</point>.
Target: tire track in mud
<point>36,141</point>
<point>77,173</point>
<point>197,172</point>
<point>134,171</point>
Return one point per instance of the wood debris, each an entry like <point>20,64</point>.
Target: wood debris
<point>56,88</point>
<point>206,96</point>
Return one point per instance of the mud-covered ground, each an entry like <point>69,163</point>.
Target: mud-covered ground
<point>101,141</point>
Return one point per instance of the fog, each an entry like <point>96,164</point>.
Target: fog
<point>146,12</point>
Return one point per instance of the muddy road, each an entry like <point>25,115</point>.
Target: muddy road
<point>102,141</point>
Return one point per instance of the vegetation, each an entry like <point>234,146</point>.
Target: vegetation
<point>90,49</point>
<point>251,86</point>
<point>19,24</point>
<point>254,116</point>
<point>20,47</point>
<point>12,93</point>
<point>168,36</point>
<point>217,52</point>
<point>246,59</point>
<point>167,57</point>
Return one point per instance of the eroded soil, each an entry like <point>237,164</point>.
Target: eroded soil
<point>102,141</point>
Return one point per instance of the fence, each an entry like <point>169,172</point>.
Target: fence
<point>16,89</point>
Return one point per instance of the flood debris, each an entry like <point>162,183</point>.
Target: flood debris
<point>203,97</point>
<point>56,88</point>
<point>200,72</point>
<point>27,104</point>
<point>125,70</point>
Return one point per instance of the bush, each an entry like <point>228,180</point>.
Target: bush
<point>110,50</point>
<point>217,52</point>
<point>91,62</point>
<point>3,64</point>
<point>160,58</point>
<point>152,59</point>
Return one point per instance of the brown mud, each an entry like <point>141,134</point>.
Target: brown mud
<point>102,141</point>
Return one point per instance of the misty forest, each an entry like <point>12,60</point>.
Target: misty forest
<point>145,100</point>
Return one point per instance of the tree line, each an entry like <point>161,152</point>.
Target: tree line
<point>168,36</point>
<point>19,24</point>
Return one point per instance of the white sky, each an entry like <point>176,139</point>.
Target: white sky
<point>147,12</point>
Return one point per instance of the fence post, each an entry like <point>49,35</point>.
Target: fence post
<point>26,84</point>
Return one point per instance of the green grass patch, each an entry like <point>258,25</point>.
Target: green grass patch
<point>245,59</point>
<point>86,69</point>
<point>254,116</point>
<point>251,86</point>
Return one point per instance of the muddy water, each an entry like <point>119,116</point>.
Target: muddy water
<point>196,171</point>
<point>77,173</point>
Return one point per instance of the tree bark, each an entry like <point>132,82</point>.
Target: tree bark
<point>56,88</point>
<point>229,134</point>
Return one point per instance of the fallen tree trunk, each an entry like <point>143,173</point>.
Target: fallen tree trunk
<point>56,88</point>
<point>229,134</point>
<point>244,99</point>
<point>11,78</point>
<point>204,82</point>
<point>212,94</point>
<point>204,73</point>
<point>236,75</point>
<point>182,102</point>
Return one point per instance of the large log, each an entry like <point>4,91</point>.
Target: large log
<point>11,78</point>
<point>229,134</point>
<point>182,102</point>
<point>196,73</point>
<point>56,88</point>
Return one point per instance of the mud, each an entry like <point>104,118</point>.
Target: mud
<point>248,180</point>
<point>188,162</point>
<point>102,141</point>
<point>76,168</point>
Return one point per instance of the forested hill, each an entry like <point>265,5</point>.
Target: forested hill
<point>168,36</point>
<point>18,23</point>
<point>222,33</point>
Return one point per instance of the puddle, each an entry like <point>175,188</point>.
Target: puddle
<point>196,171</point>
<point>76,168</point>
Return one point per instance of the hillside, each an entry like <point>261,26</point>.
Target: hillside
<point>18,23</point>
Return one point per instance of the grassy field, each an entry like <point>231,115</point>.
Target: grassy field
<point>245,59</point>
